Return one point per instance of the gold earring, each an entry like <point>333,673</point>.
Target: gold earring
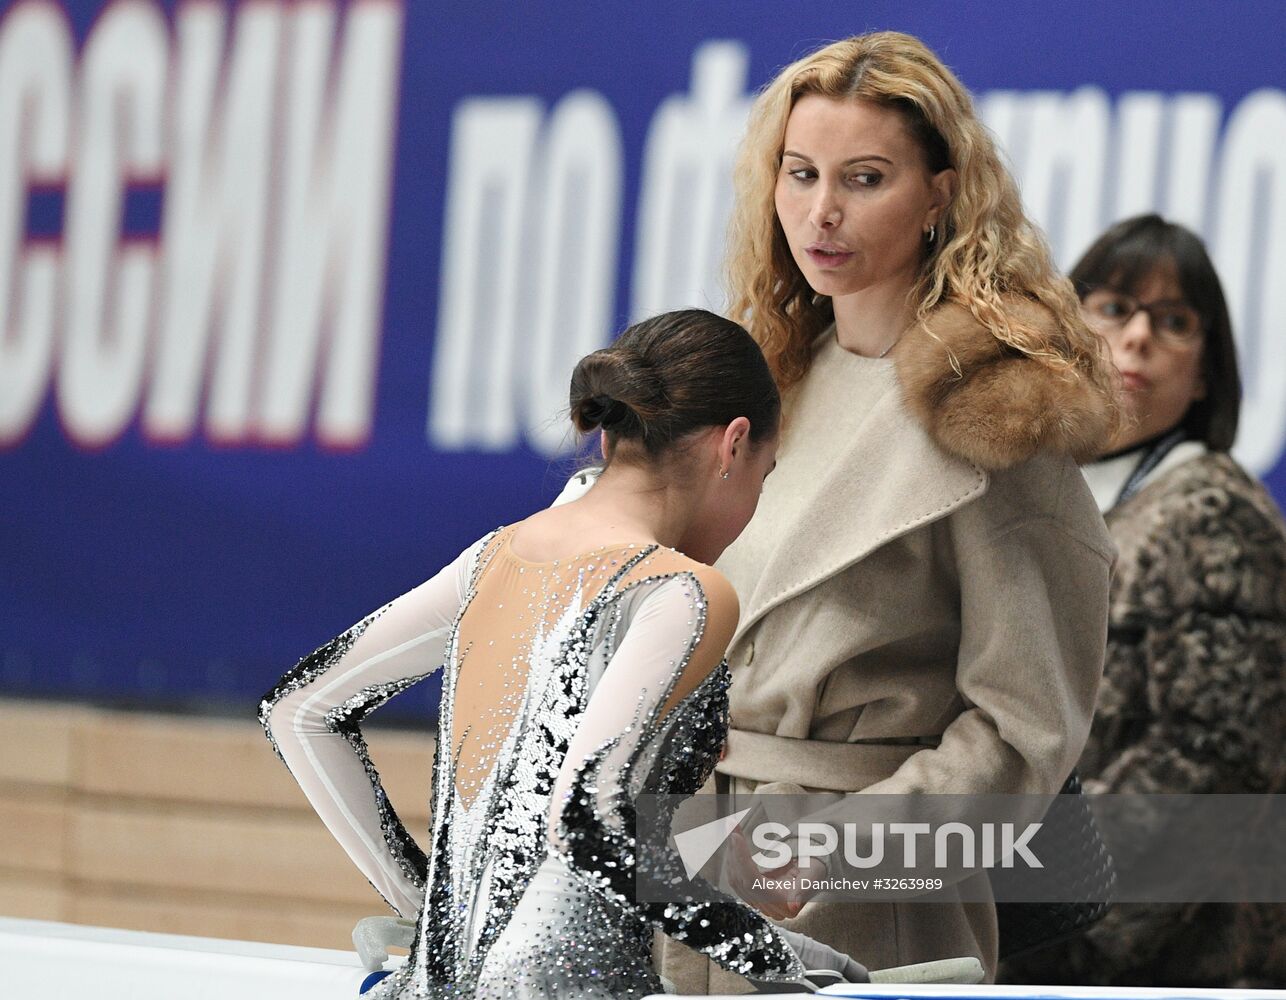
<point>723,473</point>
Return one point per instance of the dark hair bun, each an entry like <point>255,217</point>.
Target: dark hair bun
<point>602,411</point>
<point>614,389</point>
<point>673,374</point>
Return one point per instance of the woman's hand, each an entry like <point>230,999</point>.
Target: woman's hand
<point>778,893</point>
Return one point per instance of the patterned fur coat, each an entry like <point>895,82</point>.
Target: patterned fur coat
<point>1193,700</point>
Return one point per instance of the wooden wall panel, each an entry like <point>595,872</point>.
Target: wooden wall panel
<point>230,763</point>
<point>38,742</point>
<point>32,896</point>
<point>33,834</point>
<point>271,855</point>
<point>182,760</point>
<point>181,825</point>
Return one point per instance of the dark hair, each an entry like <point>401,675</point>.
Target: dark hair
<point>673,374</point>
<point>1126,255</point>
<point>937,155</point>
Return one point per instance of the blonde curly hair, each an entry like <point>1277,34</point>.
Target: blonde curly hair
<point>986,247</point>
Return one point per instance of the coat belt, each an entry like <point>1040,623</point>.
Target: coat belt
<point>815,764</point>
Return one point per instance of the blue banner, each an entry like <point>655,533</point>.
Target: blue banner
<point>291,292</point>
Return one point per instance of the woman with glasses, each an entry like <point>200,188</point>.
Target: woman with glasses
<point>1194,693</point>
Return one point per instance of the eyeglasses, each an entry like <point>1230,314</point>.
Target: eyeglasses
<point>1174,323</point>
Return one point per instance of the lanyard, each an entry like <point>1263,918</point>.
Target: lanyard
<point>1150,460</point>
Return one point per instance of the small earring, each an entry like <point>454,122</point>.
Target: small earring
<point>723,473</point>
<point>932,234</point>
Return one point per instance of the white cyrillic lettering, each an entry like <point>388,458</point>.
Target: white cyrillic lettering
<point>1062,168</point>
<point>1250,247</point>
<point>1138,153</point>
<point>686,197</point>
<point>121,102</point>
<point>1194,124</point>
<point>214,223</point>
<point>333,223</point>
<point>471,393</point>
<point>35,111</point>
<point>1000,110</point>
<point>574,267</point>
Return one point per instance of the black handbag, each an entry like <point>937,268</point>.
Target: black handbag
<point>1084,876</point>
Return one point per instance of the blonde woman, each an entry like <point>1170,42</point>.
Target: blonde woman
<point>924,587</point>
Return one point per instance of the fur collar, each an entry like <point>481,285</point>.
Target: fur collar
<point>1003,407</point>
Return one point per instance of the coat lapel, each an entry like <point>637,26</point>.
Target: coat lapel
<point>887,477</point>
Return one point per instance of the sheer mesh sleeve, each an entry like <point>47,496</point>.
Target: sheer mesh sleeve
<point>312,718</point>
<point>666,654</point>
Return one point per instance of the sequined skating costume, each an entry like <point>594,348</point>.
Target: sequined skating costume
<point>568,691</point>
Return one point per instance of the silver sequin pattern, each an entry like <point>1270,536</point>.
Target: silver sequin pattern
<point>488,867</point>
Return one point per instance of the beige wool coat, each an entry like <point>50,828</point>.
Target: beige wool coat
<point>928,614</point>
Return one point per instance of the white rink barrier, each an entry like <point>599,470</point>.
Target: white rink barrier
<point>892,992</point>
<point>885,991</point>
<point>69,962</point>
